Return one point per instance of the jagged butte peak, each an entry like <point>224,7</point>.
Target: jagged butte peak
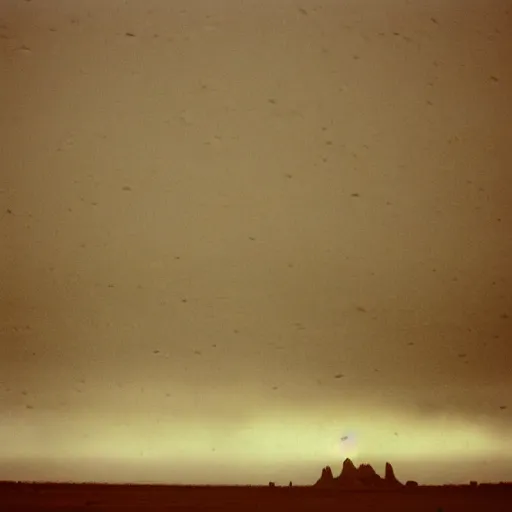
<point>327,473</point>
<point>349,476</point>
<point>363,476</point>
<point>348,468</point>
<point>366,470</point>
<point>367,475</point>
<point>326,479</point>
<point>390,477</point>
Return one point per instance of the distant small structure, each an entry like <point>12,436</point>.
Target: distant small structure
<point>290,484</point>
<point>271,484</point>
<point>473,483</point>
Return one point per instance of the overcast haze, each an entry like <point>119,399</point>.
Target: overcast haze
<point>233,233</point>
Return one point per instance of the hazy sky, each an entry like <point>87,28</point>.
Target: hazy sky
<point>232,232</point>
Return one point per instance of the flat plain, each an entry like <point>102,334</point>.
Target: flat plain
<point>94,497</point>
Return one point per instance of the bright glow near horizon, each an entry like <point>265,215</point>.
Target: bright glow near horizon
<point>261,443</point>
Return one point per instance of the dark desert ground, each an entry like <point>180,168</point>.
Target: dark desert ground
<point>243,240</point>
<point>70,498</point>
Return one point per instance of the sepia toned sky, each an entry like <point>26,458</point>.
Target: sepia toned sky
<point>233,233</point>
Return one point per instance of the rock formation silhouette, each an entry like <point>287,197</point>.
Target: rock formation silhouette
<point>389,476</point>
<point>348,475</point>
<point>367,476</point>
<point>358,478</point>
<point>326,479</point>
